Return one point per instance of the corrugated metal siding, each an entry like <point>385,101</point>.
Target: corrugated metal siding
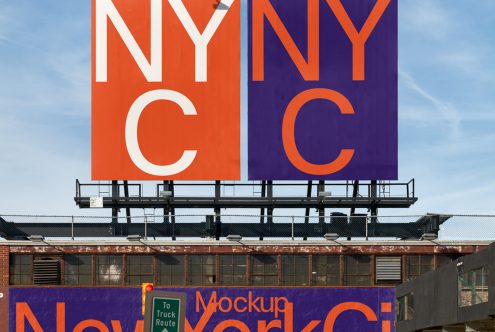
<point>46,272</point>
<point>388,268</point>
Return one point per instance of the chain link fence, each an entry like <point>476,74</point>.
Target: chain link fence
<point>194,226</point>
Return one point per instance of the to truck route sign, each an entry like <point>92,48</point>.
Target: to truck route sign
<point>165,312</point>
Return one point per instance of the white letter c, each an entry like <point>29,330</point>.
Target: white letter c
<point>131,131</point>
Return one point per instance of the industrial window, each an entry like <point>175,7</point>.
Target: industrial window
<point>472,287</point>
<point>21,269</point>
<point>295,270</point>
<point>46,270</point>
<point>357,270</point>
<point>326,270</point>
<point>139,269</point>
<point>388,269</point>
<point>109,270</point>
<point>170,270</point>
<point>233,270</point>
<point>202,270</point>
<point>264,270</point>
<point>78,270</point>
<point>417,265</point>
<point>405,307</point>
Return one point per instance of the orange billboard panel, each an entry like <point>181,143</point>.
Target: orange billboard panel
<point>165,89</point>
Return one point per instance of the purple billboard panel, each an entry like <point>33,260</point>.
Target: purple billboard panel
<point>207,309</point>
<point>322,89</point>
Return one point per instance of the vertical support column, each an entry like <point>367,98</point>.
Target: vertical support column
<point>217,199</point>
<point>270,199</point>
<point>262,210</point>
<point>306,213</point>
<point>355,193</point>
<point>172,210</point>
<point>126,195</point>
<point>373,195</point>
<point>321,209</point>
<point>166,208</point>
<point>115,196</point>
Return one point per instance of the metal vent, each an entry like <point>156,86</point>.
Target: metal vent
<point>46,272</point>
<point>388,268</point>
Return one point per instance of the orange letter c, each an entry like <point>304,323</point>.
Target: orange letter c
<point>288,137</point>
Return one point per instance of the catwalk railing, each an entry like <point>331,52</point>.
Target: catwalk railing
<point>448,227</point>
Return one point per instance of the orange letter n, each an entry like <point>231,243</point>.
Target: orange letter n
<point>22,310</point>
<point>308,69</point>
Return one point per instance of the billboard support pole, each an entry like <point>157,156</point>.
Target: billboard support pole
<point>172,209</point>
<point>217,199</point>
<point>292,228</point>
<point>321,209</point>
<point>355,193</point>
<point>306,213</point>
<point>270,199</point>
<point>373,196</point>
<point>262,210</point>
<point>115,197</point>
<point>366,225</point>
<point>126,195</point>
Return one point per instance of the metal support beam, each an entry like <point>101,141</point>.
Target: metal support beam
<point>321,209</point>
<point>355,193</point>
<point>413,230</point>
<point>270,201</point>
<point>127,209</point>
<point>262,210</point>
<point>115,198</point>
<point>373,195</point>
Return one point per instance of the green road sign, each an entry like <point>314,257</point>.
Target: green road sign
<point>165,312</point>
<point>165,315</point>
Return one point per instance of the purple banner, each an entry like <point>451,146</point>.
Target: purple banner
<point>322,89</point>
<point>208,309</point>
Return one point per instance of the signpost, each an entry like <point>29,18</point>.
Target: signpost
<point>165,312</point>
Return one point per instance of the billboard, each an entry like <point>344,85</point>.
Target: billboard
<point>165,89</point>
<point>207,309</point>
<point>322,90</point>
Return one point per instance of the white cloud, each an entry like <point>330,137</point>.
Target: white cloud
<point>439,108</point>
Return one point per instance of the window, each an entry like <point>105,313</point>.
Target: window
<point>109,270</point>
<point>295,270</point>
<point>233,270</point>
<point>170,270</point>
<point>139,269</point>
<point>472,287</point>
<point>357,270</point>
<point>78,270</point>
<point>202,270</point>
<point>326,270</point>
<point>417,265</point>
<point>405,307</point>
<point>21,269</point>
<point>264,270</point>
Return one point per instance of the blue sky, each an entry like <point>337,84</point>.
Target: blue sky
<point>446,104</point>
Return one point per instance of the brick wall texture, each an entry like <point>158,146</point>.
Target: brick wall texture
<point>4,265</point>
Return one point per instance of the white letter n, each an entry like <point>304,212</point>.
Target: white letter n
<point>151,70</point>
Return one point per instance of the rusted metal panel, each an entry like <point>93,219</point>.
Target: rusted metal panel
<point>245,249</point>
